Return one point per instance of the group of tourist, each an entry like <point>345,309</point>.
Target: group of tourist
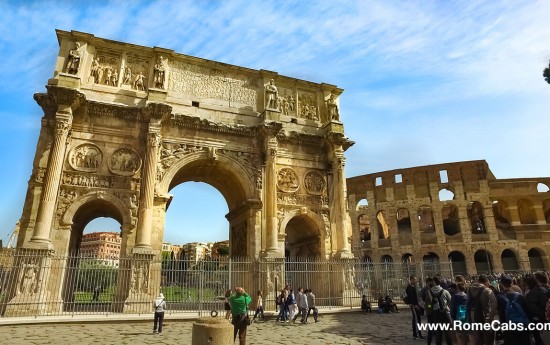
<point>292,305</point>
<point>476,308</point>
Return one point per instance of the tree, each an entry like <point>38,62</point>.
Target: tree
<point>223,250</point>
<point>93,273</point>
<point>546,73</point>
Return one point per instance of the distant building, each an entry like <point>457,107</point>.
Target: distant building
<point>197,250</point>
<point>103,246</point>
<point>217,245</point>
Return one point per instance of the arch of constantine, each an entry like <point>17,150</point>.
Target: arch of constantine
<point>124,124</point>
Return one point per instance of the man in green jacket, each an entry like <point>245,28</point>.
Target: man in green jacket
<point>239,302</point>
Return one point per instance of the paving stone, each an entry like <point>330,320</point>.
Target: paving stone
<point>343,328</point>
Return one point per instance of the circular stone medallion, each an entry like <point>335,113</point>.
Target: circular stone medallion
<point>125,162</point>
<point>287,180</point>
<point>85,157</point>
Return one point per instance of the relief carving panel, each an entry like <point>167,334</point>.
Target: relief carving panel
<point>85,157</point>
<point>287,180</point>
<point>307,106</point>
<point>104,69</point>
<point>136,72</point>
<point>125,162</point>
<point>314,182</point>
<point>287,102</point>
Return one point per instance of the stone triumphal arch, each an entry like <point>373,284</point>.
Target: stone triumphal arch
<point>124,124</point>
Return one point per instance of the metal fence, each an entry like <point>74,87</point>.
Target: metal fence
<point>77,284</point>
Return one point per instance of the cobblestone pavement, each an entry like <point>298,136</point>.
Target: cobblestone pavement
<point>351,328</point>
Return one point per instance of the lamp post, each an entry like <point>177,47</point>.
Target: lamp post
<point>480,228</point>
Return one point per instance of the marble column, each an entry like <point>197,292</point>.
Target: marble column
<point>271,197</point>
<point>339,211</point>
<point>52,179</point>
<point>147,195</point>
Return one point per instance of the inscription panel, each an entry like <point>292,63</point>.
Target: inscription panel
<point>203,82</point>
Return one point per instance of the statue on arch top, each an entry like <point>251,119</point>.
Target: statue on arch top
<point>160,73</point>
<point>332,108</point>
<point>271,95</point>
<point>73,61</point>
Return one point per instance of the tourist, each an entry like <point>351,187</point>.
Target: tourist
<point>411,299</point>
<point>302,306</point>
<point>291,304</point>
<point>425,297</point>
<point>440,300</point>
<point>159,305</point>
<point>507,296</point>
<point>259,306</point>
<point>239,302</point>
<point>226,305</point>
<point>365,305</point>
<point>536,299</point>
<point>382,307</point>
<point>458,311</point>
<point>95,296</point>
<point>281,301</point>
<point>390,306</point>
<point>481,308</point>
<point>311,305</point>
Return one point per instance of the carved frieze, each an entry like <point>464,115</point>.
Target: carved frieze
<point>64,200</point>
<point>287,180</point>
<point>293,199</point>
<point>307,106</point>
<point>171,153</point>
<point>326,220</point>
<point>250,161</point>
<point>85,157</point>
<point>125,162</point>
<point>104,69</point>
<point>29,278</point>
<point>136,72</point>
<point>203,82</point>
<point>314,182</point>
<point>131,200</point>
<point>97,109</point>
<point>140,277</point>
<point>186,121</point>
<point>38,175</point>
<point>87,180</point>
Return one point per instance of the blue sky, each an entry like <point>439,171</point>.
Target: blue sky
<point>425,82</point>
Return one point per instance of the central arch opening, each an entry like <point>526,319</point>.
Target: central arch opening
<point>303,238</point>
<point>208,205</point>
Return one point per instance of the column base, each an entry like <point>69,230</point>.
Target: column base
<point>345,254</point>
<point>32,305</point>
<point>139,303</point>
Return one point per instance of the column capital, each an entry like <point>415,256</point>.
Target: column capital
<point>66,99</point>
<point>157,112</point>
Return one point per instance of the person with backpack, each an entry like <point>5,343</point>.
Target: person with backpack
<point>481,308</point>
<point>425,297</point>
<point>411,298</point>
<point>458,311</point>
<point>281,302</point>
<point>535,300</point>
<point>511,308</point>
<point>438,301</point>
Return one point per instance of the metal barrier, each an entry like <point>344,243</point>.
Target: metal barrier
<point>77,284</point>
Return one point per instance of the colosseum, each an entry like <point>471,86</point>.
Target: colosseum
<point>457,212</point>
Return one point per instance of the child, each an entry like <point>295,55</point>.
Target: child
<point>259,306</point>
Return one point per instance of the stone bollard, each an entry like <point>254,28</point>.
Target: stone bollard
<point>212,331</point>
